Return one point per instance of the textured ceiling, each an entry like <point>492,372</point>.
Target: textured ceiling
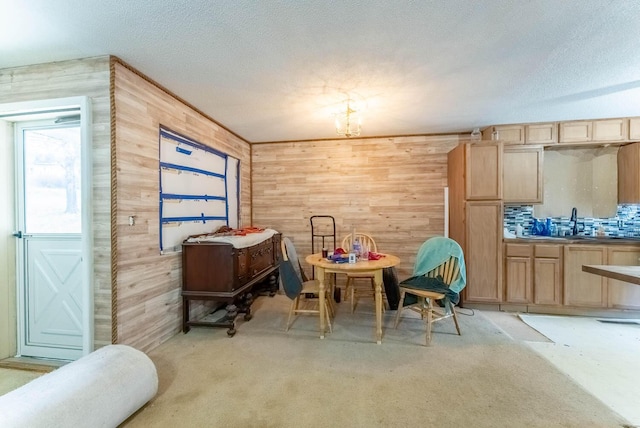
<point>278,70</point>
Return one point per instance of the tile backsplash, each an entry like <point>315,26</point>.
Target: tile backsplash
<point>626,222</point>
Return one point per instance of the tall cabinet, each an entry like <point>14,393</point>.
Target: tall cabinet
<point>475,216</point>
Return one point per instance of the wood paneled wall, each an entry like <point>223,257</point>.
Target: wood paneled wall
<point>86,77</point>
<point>148,283</point>
<point>392,188</point>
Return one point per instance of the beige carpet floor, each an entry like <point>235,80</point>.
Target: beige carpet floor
<point>266,377</point>
<point>11,379</point>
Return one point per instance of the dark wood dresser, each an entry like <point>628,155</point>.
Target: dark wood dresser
<point>219,271</point>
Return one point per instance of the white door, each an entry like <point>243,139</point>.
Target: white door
<point>50,291</point>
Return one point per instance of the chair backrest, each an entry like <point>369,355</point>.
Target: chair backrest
<point>364,239</point>
<point>290,269</point>
<point>442,256</point>
<point>449,271</point>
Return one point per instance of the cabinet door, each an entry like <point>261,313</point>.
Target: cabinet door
<point>610,130</point>
<point>518,279</point>
<point>510,134</point>
<point>576,132</point>
<point>547,274</point>
<point>581,288</point>
<point>541,133</point>
<point>629,174</point>
<point>483,251</point>
<point>623,295</point>
<point>517,273</point>
<point>547,281</point>
<point>634,129</point>
<point>522,175</point>
<point>483,168</point>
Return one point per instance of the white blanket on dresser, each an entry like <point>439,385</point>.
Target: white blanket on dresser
<point>248,240</point>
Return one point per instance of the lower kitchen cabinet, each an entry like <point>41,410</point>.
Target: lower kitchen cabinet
<point>517,273</point>
<point>547,275</point>
<point>533,274</point>
<point>582,289</point>
<point>623,295</point>
<point>551,274</point>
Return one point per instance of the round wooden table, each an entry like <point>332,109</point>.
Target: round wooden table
<point>374,267</point>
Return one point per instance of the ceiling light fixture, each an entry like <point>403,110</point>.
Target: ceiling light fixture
<point>348,121</point>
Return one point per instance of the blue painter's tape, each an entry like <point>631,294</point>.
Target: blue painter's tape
<point>183,151</point>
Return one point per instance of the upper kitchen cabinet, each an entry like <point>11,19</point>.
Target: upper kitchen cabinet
<point>522,174</point>
<point>610,130</point>
<point>629,174</point>
<point>576,132</point>
<point>483,171</point>
<point>634,129</point>
<point>594,131</point>
<point>474,172</point>
<point>508,134</point>
<point>541,133</point>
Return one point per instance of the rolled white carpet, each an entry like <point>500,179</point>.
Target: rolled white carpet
<point>101,389</point>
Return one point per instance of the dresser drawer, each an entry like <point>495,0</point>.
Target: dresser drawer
<point>260,257</point>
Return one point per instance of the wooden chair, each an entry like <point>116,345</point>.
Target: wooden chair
<point>453,275</point>
<point>296,285</point>
<point>370,244</point>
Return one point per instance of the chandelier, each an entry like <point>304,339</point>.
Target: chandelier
<point>348,121</point>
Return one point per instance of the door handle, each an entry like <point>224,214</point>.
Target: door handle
<point>17,234</point>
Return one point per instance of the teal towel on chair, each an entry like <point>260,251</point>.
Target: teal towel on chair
<point>436,251</point>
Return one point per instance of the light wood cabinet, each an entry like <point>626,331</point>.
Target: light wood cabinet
<point>483,171</point>
<point>547,274</point>
<point>579,132</point>
<point>522,174</point>
<point>634,129</point>
<point>610,130</point>
<point>623,295</point>
<point>576,132</point>
<point>533,274</point>
<point>508,134</point>
<point>518,273</point>
<point>629,174</point>
<point>541,133</point>
<point>475,216</point>
<point>582,289</point>
<point>483,251</point>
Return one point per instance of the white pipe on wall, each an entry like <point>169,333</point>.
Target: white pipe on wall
<point>446,212</point>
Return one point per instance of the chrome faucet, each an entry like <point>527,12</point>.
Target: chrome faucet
<point>574,221</point>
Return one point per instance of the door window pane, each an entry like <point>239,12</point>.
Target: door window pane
<point>52,180</point>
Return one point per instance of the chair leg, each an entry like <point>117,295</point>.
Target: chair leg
<point>422,302</point>
<point>294,305</point>
<point>429,320</point>
<point>455,319</point>
<point>400,307</point>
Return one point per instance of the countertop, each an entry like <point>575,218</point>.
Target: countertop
<point>578,239</point>
<point>621,273</point>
